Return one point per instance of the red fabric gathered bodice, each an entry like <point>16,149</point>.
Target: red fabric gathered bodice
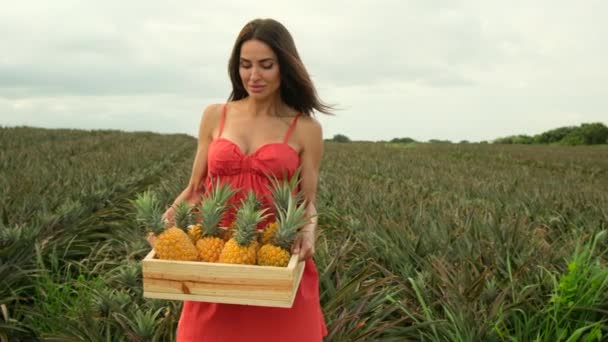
<point>226,161</point>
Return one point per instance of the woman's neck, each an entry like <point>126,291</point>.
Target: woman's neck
<point>272,106</point>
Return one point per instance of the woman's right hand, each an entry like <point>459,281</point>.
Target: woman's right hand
<point>169,216</point>
<point>151,239</point>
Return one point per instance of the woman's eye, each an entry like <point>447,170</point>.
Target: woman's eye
<point>247,66</point>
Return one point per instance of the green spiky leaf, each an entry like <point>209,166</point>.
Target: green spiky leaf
<point>248,216</point>
<point>290,221</point>
<point>148,212</point>
<point>182,215</point>
<point>282,189</point>
<point>213,207</point>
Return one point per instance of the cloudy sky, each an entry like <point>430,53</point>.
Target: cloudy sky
<point>442,69</point>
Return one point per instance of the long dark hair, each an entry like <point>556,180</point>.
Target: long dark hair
<point>297,89</point>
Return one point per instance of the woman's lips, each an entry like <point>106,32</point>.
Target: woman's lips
<point>256,88</point>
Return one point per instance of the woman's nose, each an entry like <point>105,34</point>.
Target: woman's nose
<point>255,74</point>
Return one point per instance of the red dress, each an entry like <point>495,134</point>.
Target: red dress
<point>202,321</point>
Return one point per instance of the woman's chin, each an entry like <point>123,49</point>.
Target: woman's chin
<point>258,96</point>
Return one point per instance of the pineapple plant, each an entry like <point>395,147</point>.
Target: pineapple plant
<point>210,212</point>
<point>280,192</point>
<point>278,251</point>
<point>242,247</point>
<point>171,243</point>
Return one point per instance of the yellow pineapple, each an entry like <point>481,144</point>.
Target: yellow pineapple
<point>210,212</point>
<point>195,232</point>
<point>227,232</point>
<point>278,251</point>
<point>280,192</point>
<point>269,232</point>
<point>172,243</point>
<point>242,247</point>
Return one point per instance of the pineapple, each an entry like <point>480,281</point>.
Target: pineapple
<point>211,211</point>
<point>280,192</point>
<point>242,247</point>
<point>172,243</point>
<point>195,232</point>
<point>228,232</point>
<point>277,253</point>
<point>269,232</point>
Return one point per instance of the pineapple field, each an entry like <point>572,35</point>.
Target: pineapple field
<point>419,242</point>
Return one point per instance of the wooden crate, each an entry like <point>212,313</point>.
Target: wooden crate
<point>222,283</point>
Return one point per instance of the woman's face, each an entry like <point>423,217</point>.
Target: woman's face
<point>259,69</point>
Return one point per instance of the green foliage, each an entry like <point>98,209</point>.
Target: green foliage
<point>341,138</point>
<point>468,242</point>
<point>403,140</point>
<point>554,135</point>
<point>575,309</point>
<point>573,138</point>
<point>439,141</point>
<point>585,134</point>
<point>515,139</point>
<point>66,201</point>
<point>183,215</point>
<point>213,206</point>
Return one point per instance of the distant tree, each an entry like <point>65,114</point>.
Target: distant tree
<point>464,142</point>
<point>438,141</point>
<point>515,139</point>
<point>341,138</point>
<point>585,134</point>
<point>554,135</point>
<point>403,140</point>
<point>573,138</point>
<point>594,133</point>
<point>523,139</point>
<point>504,140</point>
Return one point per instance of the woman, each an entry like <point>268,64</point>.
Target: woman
<point>266,127</point>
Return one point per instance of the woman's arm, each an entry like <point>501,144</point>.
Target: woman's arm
<point>196,187</point>
<point>311,135</point>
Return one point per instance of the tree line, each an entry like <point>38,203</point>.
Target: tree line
<point>585,134</point>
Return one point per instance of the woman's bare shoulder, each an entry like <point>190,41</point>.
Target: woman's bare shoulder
<point>310,126</point>
<point>309,134</point>
<point>210,119</point>
<point>212,112</point>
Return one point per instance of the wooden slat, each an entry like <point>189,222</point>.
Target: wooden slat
<point>224,300</point>
<point>222,283</point>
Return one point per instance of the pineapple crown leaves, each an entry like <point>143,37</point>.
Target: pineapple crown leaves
<point>281,190</point>
<point>247,218</point>
<point>252,201</point>
<point>213,207</point>
<point>148,211</point>
<point>182,215</point>
<point>290,221</point>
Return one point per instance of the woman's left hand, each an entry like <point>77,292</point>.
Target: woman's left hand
<point>304,244</point>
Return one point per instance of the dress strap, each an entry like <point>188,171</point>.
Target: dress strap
<point>222,119</point>
<point>291,128</point>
